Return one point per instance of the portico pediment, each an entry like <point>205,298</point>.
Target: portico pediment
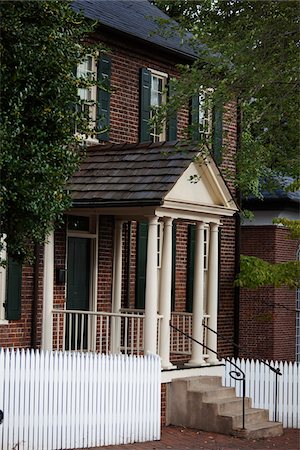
<point>201,185</point>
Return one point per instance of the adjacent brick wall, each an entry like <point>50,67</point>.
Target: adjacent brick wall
<point>266,329</point>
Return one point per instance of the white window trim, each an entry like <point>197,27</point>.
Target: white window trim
<point>3,276</point>
<point>209,120</point>
<point>89,139</point>
<point>164,76</point>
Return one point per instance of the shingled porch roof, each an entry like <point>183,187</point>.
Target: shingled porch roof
<point>129,174</point>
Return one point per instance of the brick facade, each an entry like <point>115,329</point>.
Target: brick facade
<point>268,330</point>
<point>124,127</point>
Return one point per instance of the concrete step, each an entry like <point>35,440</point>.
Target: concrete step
<point>253,416</point>
<point>232,405</point>
<point>210,394</point>
<point>263,430</point>
<point>198,383</point>
<point>202,402</point>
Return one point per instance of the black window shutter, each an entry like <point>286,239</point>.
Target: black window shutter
<point>218,133</point>
<point>190,267</point>
<point>103,94</point>
<point>141,262</point>
<point>13,290</point>
<point>172,119</point>
<point>145,95</point>
<point>195,118</point>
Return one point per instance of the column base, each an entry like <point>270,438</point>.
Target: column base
<point>213,362</point>
<point>193,363</point>
<point>168,366</point>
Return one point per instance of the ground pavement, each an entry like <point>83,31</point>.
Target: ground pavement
<point>179,438</point>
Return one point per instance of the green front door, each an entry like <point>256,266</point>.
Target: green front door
<point>78,292</point>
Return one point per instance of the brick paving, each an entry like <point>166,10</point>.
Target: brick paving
<point>179,438</point>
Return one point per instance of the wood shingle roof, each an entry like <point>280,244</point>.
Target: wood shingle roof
<point>129,174</point>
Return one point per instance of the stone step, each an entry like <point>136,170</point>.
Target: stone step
<point>253,416</point>
<point>198,383</point>
<point>231,405</point>
<point>202,402</point>
<point>210,394</point>
<point>263,430</point>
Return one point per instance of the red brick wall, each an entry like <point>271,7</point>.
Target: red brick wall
<point>124,123</point>
<point>266,329</point>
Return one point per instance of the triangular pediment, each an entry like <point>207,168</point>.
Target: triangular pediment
<point>201,184</point>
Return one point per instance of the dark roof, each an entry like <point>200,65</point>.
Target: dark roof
<point>277,197</point>
<point>136,18</point>
<point>129,174</point>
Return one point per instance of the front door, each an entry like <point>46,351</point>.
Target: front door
<point>78,292</point>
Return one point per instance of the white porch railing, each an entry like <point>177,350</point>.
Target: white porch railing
<point>100,331</point>
<point>180,344</point>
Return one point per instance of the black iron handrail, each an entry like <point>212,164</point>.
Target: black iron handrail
<point>238,375</point>
<point>273,369</point>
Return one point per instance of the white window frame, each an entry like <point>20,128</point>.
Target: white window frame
<point>89,139</point>
<point>160,231</point>
<point>205,117</point>
<point>155,136</point>
<point>3,282</point>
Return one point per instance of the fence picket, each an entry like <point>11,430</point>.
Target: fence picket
<point>260,386</point>
<point>75,400</point>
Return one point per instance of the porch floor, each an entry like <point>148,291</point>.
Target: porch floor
<point>179,438</point>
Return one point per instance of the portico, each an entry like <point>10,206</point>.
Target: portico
<point>159,192</point>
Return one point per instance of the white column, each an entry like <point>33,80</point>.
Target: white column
<point>151,293</point>
<point>165,294</point>
<point>213,262</point>
<point>47,333</point>
<point>117,288</point>
<point>198,297</point>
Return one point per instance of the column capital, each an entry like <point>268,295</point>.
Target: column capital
<point>167,221</point>
<point>200,225</point>
<point>152,220</point>
<point>214,226</point>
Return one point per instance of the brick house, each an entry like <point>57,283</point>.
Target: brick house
<point>270,317</point>
<point>126,258</point>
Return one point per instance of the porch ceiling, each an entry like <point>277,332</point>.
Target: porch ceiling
<point>146,176</point>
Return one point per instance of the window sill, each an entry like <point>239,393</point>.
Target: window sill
<point>4,322</point>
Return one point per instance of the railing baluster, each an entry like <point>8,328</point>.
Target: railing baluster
<point>107,333</point>
<point>101,330</point>
<point>138,335</point>
<point>125,335</point>
<point>58,317</point>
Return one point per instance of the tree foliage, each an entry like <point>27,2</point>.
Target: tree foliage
<point>41,44</point>
<point>249,51</point>
<point>256,272</point>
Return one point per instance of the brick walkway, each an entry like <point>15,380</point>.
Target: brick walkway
<point>178,438</point>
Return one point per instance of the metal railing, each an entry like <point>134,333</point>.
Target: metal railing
<point>273,369</point>
<point>238,374</point>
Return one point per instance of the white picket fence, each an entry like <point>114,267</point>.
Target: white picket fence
<point>68,400</point>
<point>260,386</point>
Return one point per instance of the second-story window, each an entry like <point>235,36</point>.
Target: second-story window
<point>158,98</point>
<point>207,123</point>
<point>86,70</point>
<point>94,95</point>
<point>154,91</point>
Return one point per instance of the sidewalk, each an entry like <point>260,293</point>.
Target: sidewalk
<point>179,438</point>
